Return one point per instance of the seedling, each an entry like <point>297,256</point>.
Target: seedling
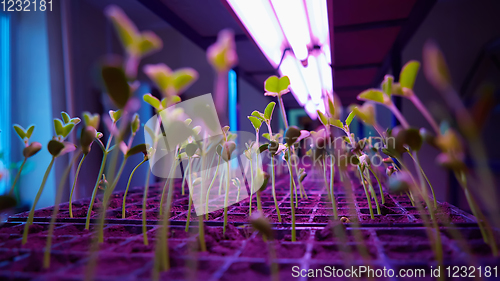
<point>30,149</point>
<point>57,147</point>
<point>88,134</point>
<point>227,150</point>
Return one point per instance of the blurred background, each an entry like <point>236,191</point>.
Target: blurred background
<point>49,60</point>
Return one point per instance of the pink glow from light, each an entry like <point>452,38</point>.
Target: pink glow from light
<point>293,20</point>
<point>311,110</point>
<point>312,77</point>
<point>261,22</point>
<point>290,68</point>
<point>318,17</point>
<point>321,107</point>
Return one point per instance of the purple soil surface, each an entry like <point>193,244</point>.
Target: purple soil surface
<point>256,248</point>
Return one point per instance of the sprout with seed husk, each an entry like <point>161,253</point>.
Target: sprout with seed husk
<point>87,136</point>
<point>30,149</point>
<point>57,147</point>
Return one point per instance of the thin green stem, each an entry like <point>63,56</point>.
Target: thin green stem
<point>17,176</point>
<point>144,203</point>
<point>417,162</point>
<point>74,184</point>
<point>332,175</point>
<point>190,182</point>
<point>283,112</point>
<point>210,188</point>
<point>94,192</point>
<point>29,221</point>
<point>379,184</point>
<point>128,185</point>
<point>228,183</point>
<point>366,193</point>
<point>259,203</point>
<point>292,207</point>
<point>170,175</point>
<point>251,189</point>
<point>273,180</point>
<point>59,193</point>
<point>184,177</point>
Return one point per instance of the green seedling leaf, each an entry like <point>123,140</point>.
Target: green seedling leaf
<point>67,129</point>
<point>191,149</point>
<point>413,138</point>
<point>126,29</point>
<point>183,78</point>
<point>387,85</point>
<point>222,54</point>
<point>7,202</point>
<point>87,137</point>
<point>268,112</point>
<point>277,86</point>
<point>227,150</point>
<point>256,122</point>
<point>409,74</point>
<point>322,118</point>
<point>366,113</point>
<point>136,123</point>
<point>152,100</point>
<point>115,115</point>
<point>372,95</point>
<point>55,147</point>
<point>165,102</point>
<point>58,127</point>
<point>263,147</point>
<point>30,130</point>
<point>291,135</point>
<point>266,136</point>
<point>337,123</point>
<point>148,43</point>
<point>65,117</point>
<point>32,149</point>
<point>349,118</point>
<point>75,120</point>
<point>435,68</point>
<point>20,131</point>
<point>91,119</point>
<point>257,114</point>
<point>116,84</point>
<point>331,107</point>
<point>137,149</point>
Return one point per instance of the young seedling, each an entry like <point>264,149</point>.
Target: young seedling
<point>115,116</point>
<point>88,134</point>
<point>292,135</point>
<point>30,149</point>
<point>57,147</point>
<point>261,224</point>
<point>227,150</point>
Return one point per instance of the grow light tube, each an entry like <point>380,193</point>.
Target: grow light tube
<point>310,108</point>
<point>290,68</point>
<point>293,20</point>
<point>259,19</point>
<point>326,73</point>
<point>317,12</point>
<point>312,77</point>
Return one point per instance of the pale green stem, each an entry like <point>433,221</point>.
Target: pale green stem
<point>379,184</point>
<point>184,177</point>
<point>190,182</point>
<point>73,187</point>
<point>210,188</point>
<point>366,193</point>
<point>170,175</point>
<point>228,183</point>
<point>417,162</point>
<point>418,104</point>
<point>17,176</point>
<point>291,198</point>
<point>251,189</point>
<point>128,185</point>
<point>399,116</point>
<point>101,171</point>
<point>59,192</point>
<point>273,179</point>
<point>144,201</point>
<point>29,221</point>
<point>332,175</point>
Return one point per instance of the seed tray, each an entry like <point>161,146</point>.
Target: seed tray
<point>394,240</point>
